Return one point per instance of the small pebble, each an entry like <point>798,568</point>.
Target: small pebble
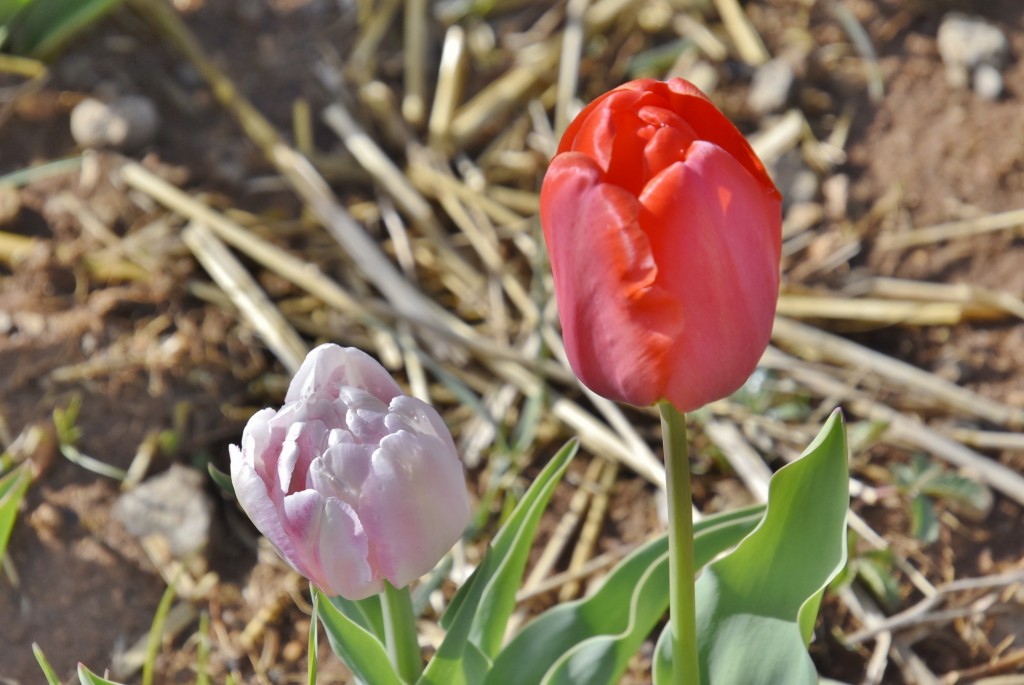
<point>771,86</point>
<point>968,43</point>
<point>988,82</point>
<point>126,123</point>
<point>172,504</point>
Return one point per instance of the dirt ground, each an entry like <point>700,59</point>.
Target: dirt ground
<point>156,353</point>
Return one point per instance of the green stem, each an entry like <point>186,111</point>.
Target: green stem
<point>682,599</point>
<point>400,632</point>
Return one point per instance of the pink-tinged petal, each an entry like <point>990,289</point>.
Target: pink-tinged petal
<point>364,414</point>
<point>258,449</point>
<point>329,367</point>
<point>413,507</point>
<point>617,321</point>
<point>342,471</point>
<point>303,443</point>
<point>419,418</point>
<point>716,235</point>
<point>344,554</point>
<point>257,502</point>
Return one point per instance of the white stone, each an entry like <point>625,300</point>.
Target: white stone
<point>127,123</point>
<point>968,42</point>
<point>988,82</point>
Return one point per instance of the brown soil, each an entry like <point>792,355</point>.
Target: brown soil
<point>151,355</point>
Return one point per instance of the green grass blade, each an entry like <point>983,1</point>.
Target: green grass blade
<point>156,632</point>
<point>13,487</point>
<point>51,675</point>
<point>87,677</point>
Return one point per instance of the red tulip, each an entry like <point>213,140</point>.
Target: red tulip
<point>664,234</point>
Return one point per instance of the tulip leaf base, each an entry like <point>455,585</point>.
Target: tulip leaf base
<point>362,651</point>
<point>756,606</point>
<point>591,640</point>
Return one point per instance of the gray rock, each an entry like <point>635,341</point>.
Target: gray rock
<point>126,123</point>
<point>172,504</point>
<point>967,43</point>
<point>771,86</point>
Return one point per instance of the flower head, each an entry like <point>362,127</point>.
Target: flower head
<point>664,234</point>
<point>352,481</point>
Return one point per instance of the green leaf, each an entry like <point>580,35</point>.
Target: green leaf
<point>923,520</point>
<point>222,479</point>
<point>42,27</point>
<point>478,615</point>
<point>361,651</point>
<point>313,648</point>
<point>591,640</point>
<point>367,613</point>
<point>51,675</point>
<point>12,490</point>
<point>156,633</point>
<point>875,569</point>
<point>953,487</point>
<point>87,677</point>
<point>755,606</point>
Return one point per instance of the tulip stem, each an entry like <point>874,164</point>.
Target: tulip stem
<point>400,632</point>
<point>682,598</point>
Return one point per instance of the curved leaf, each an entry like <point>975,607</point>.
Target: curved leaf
<point>755,607</point>
<point>361,651</point>
<point>478,615</point>
<point>591,640</point>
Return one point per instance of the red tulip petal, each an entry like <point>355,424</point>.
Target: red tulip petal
<point>711,125</point>
<point>605,282</point>
<point>715,233</point>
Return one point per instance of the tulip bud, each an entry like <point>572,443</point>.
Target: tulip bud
<point>664,232</point>
<point>351,480</point>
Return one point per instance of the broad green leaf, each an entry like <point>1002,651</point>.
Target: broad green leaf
<point>87,677</point>
<point>361,651</point>
<point>591,640</point>
<point>478,615</point>
<point>755,606</point>
<point>51,675</point>
<point>12,489</point>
